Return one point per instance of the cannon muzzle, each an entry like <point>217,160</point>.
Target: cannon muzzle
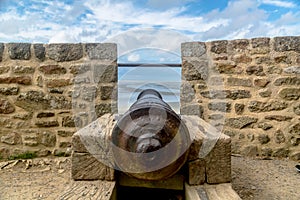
<point>150,140</point>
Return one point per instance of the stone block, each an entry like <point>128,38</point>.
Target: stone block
<point>1,51</point>
<point>291,43</point>
<point>4,70</point>
<point>192,109</point>
<point>196,172</point>
<point>19,51</point>
<point>64,52</point>
<point>219,47</point>
<point>290,94</point>
<point>287,81</point>
<point>210,146</point>
<point>47,123</point>
<point>261,82</point>
<point>193,49</point>
<point>39,51</point>
<point>219,106</point>
<point>242,59</point>
<point>218,161</point>
<point>54,83</point>
<point>22,80</point>
<point>105,73</point>
<point>103,51</point>
<point>239,108</point>
<point>227,68</point>
<point>6,107</point>
<point>87,167</point>
<point>239,82</point>
<point>223,94</point>
<point>255,70</point>
<point>187,93</point>
<point>260,45</point>
<point>23,69</point>
<point>195,70</point>
<point>292,70</point>
<point>107,92</point>
<point>240,122</point>
<point>52,69</point>
<point>274,105</point>
<point>239,45</point>
<point>80,68</point>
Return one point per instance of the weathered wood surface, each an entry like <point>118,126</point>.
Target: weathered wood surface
<point>87,167</point>
<point>211,192</point>
<point>175,182</point>
<point>92,190</point>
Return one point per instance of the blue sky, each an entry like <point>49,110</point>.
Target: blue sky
<point>146,24</point>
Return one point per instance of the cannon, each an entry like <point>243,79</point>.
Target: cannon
<point>150,140</point>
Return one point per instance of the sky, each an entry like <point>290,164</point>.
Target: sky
<point>141,26</point>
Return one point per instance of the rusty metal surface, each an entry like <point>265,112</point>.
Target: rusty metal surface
<point>151,141</point>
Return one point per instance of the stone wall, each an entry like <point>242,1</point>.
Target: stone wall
<point>47,90</point>
<point>249,89</point>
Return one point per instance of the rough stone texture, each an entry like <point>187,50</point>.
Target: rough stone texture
<point>19,51</point>
<point>278,118</point>
<point>223,94</point>
<point>9,90</point>
<point>23,69</point>
<point>192,109</point>
<point>290,94</point>
<point>263,138</point>
<point>6,107</point>
<point>105,51</point>
<point>239,108</point>
<point>22,80</point>
<point>279,137</point>
<point>220,106</point>
<point>64,52</point>
<point>287,81</point>
<point>219,47</point>
<point>1,51</point>
<point>52,69</point>
<point>219,158</point>
<point>193,49</point>
<point>239,82</point>
<point>258,106</point>
<point>37,101</point>
<point>292,70</point>
<point>195,70</point>
<point>255,70</point>
<point>105,73</point>
<point>261,82</point>
<point>240,122</point>
<point>39,51</point>
<point>287,44</point>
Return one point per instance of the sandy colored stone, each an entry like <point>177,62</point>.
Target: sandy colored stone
<point>196,172</point>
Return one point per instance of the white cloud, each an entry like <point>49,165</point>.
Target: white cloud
<point>285,4</point>
<point>133,27</point>
<point>133,57</point>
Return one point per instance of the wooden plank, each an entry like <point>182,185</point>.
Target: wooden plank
<point>221,192</point>
<point>211,192</point>
<point>175,182</point>
<point>93,190</point>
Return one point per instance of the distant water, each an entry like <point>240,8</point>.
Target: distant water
<point>168,86</point>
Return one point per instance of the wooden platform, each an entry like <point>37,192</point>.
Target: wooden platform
<point>211,192</point>
<point>94,190</point>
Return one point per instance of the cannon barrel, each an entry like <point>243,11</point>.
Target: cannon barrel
<point>151,141</point>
